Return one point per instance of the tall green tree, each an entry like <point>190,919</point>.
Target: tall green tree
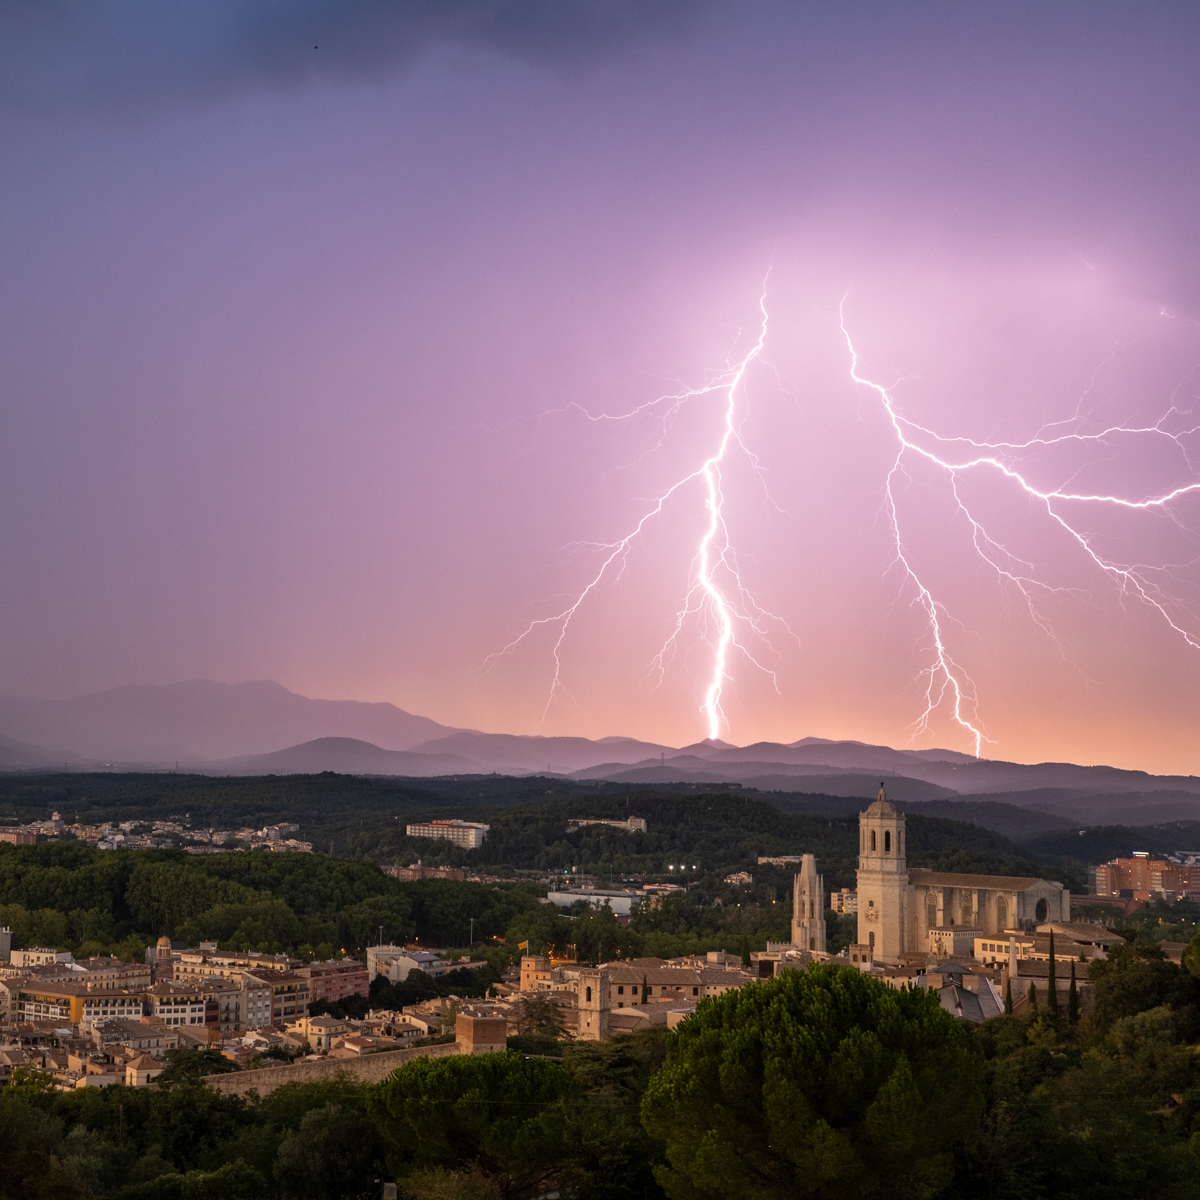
<point>822,1084</point>
<point>1052,983</point>
<point>1136,977</point>
<point>331,1155</point>
<point>498,1112</point>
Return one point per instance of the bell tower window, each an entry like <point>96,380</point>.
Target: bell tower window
<point>887,842</point>
<point>872,839</point>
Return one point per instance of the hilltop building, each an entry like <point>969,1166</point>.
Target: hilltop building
<point>629,825</point>
<point>903,911</point>
<point>460,833</point>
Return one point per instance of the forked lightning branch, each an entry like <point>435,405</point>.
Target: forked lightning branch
<point>718,607</point>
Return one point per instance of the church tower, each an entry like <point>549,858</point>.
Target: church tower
<point>882,881</point>
<point>593,1005</point>
<point>808,907</point>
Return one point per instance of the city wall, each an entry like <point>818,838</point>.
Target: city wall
<point>370,1068</point>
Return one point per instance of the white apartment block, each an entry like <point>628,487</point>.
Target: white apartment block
<point>460,833</point>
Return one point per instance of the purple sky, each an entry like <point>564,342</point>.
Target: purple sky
<point>284,332</point>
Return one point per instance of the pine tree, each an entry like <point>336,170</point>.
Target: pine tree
<point>1052,983</point>
<point>1072,998</point>
<point>1008,998</point>
<point>1032,998</point>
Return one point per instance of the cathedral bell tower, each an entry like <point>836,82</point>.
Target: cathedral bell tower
<point>882,881</point>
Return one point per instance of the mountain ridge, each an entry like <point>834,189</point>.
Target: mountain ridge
<point>260,727</point>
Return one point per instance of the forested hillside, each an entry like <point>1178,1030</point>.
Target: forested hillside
<point>66,894</point>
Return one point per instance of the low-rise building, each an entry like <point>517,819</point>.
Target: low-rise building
<point>537,973</point>
<point>481,1031</point>
<point>144,1035</point>
<point>628,825</point>
<point>411,874</point>
<point>289,995</point>
<point>100,973</point>
<point>336,979</point>
<point>74,1003</point>
<point>178,1003</point>
<point>459,833</point>
<point>395,962</point>
<point>947,941</point>
<point>319,1032</point>
<point>1072,940</point>
<point>655,981</point>
<point>143,1071</point>
<point>39,956</point>
<point>205,962</point>
<point>620,900</point>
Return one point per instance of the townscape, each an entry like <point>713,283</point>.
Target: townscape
<point>1010,957</point>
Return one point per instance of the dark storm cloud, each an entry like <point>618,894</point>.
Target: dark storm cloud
<point>64,54</point>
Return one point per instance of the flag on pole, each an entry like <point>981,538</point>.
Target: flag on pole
<point>522,945</point>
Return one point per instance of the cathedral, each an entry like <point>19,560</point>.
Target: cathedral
<point>898,908</point>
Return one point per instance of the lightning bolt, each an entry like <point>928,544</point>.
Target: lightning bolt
<point>715,595</point>
<point>958,457</point>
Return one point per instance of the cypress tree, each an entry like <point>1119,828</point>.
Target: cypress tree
<point>1032,998</point>
<point>745,951</point>
<point>645,990</point>
<point>1008,998</point>
<point>1072,998</point>
<point>1052,983</point>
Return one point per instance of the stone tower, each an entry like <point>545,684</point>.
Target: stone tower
<point>164,965</point>
<point>593,1006</point>
<point>882,881</point>
<point>808,907</point>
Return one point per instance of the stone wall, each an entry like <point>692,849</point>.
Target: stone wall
<point>370,1068</point>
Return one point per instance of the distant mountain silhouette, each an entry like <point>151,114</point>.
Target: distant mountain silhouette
<point>346,756</point>
<point>240,729</point>
<point>201,721</point>
<point>21,756</point>
<point>507,752</point>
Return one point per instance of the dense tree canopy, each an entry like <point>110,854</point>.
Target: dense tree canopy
<point>824,1084</point>
<point>500,1112</point>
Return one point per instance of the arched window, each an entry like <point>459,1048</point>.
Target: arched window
<point>871,939</point>
<point>1002,912</point>
<point>1042,912</point>
<point>589,995</point>
<point>887,842</point>
<point>965,908</point>
<point>931,911</point>
<point>872,839</point>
